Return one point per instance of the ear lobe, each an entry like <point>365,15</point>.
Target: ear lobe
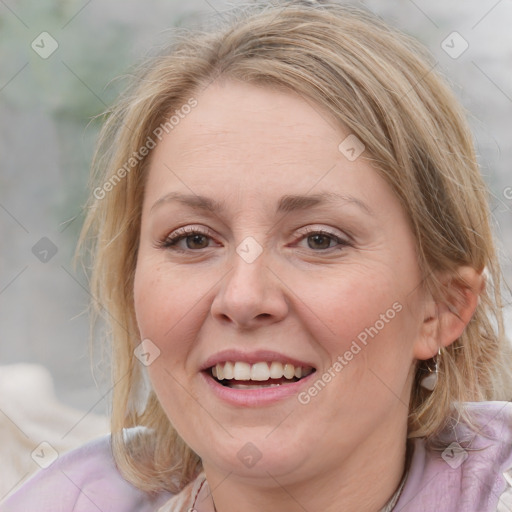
<point>453,313</point>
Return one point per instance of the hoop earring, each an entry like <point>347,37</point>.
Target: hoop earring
<point>429,382</point>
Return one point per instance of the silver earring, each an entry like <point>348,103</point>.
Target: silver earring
<point>429,382</point>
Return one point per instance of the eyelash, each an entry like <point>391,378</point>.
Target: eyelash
<point>171,241</point>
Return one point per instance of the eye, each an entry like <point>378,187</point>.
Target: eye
<point>321,240</point>
<point>194,237</point>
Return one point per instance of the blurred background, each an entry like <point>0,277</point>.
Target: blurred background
<point>58,62</point>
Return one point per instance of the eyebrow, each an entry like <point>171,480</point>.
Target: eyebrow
<point>286,204</point>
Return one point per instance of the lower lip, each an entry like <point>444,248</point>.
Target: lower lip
<point>258,396</point>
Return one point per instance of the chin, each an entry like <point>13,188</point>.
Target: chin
<point>258,460</point>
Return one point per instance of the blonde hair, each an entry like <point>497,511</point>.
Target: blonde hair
<point>381,85</point>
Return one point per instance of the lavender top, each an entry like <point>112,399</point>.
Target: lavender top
<point>472,474</point>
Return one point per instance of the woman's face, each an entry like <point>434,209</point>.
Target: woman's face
<point>327,280</point>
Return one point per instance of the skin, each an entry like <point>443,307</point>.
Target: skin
<point>249,146</point>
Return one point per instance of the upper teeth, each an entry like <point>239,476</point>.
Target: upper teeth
<point>258,371</point>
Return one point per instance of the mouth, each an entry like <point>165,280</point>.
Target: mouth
<point>243,375</point>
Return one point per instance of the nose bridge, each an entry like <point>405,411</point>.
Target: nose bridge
<point>249,291</point>
<point>246,282</point>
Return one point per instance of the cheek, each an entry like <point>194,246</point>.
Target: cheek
<point>362,320</point>
<point>161,301</point>
<point>159,307</point>
<point>349,303</point>
<point>170,307</point>
<point>147,309</point>
<point>154,305</point>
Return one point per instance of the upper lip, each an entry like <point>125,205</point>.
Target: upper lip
<point>253,357</point>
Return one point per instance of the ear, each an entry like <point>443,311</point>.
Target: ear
<point>445,320</point>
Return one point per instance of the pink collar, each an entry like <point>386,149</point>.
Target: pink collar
<point>457,471</point>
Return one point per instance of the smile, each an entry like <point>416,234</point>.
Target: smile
<point>243,375</point>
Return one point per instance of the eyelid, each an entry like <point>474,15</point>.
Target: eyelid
<point>342,240</point>
<point>172,240</point>
<point>189,229</point>
<point>315,228</point>
<point>181,233</point>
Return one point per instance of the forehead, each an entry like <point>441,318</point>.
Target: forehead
<point>241,120</point>
<point>247,141</point>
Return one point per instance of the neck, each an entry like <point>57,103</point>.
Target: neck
<point>364,481</point>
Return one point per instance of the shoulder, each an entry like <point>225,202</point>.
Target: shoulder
<point>463,469</point>
<point>494,418</point>
<point>82,480</point>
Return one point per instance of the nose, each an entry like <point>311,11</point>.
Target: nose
<point>251,294</point>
